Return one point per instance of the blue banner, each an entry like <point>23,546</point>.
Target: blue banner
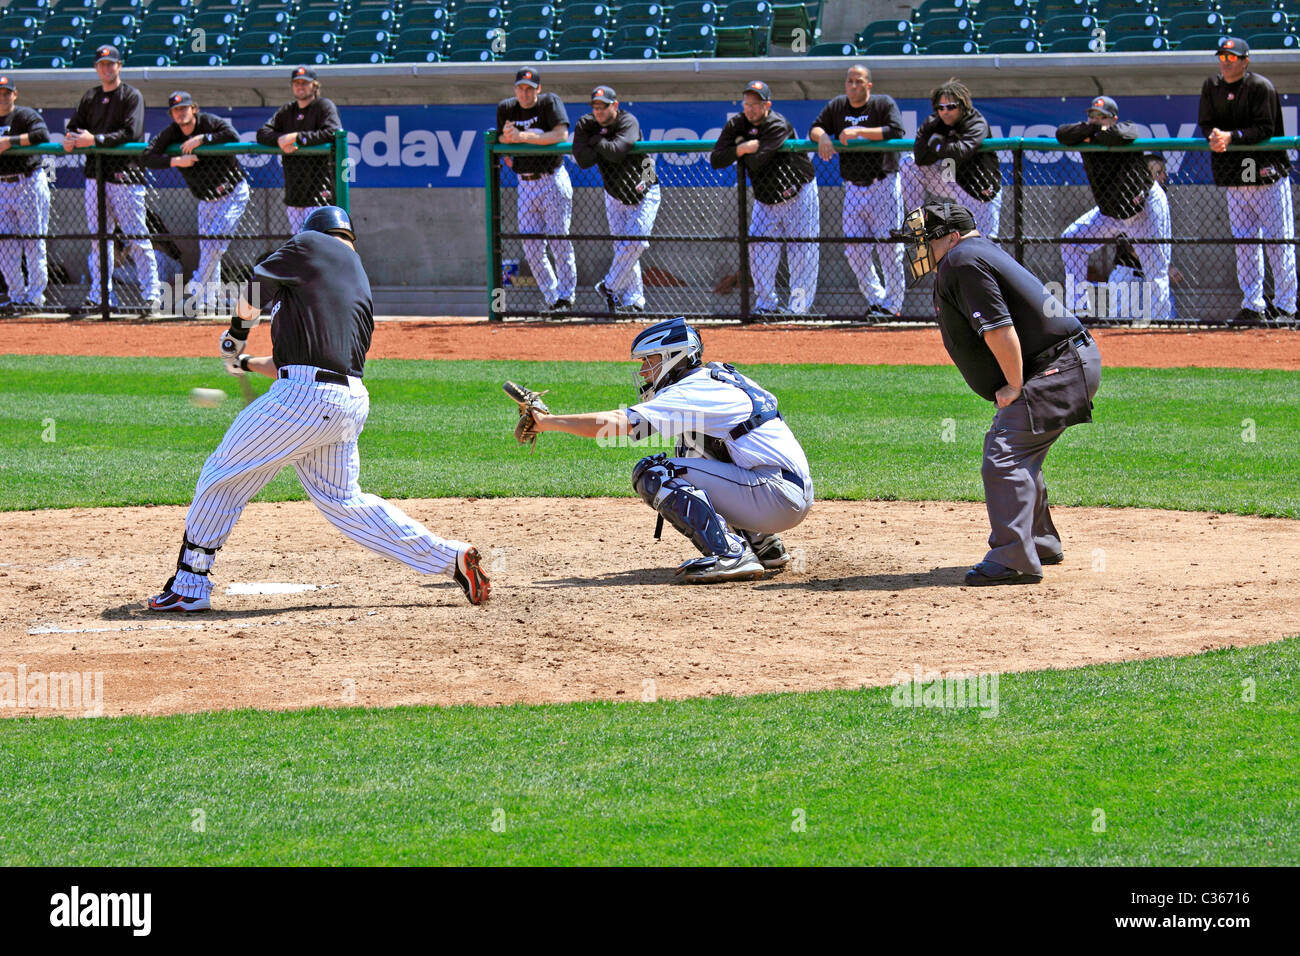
<point>442,146</point>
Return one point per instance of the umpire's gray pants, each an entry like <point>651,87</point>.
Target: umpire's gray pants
<point>760,500</point>
<point>1015,493</point>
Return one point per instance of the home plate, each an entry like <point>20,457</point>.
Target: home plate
<point>268,587</point>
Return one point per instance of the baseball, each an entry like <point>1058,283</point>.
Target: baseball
<point>207,397</point>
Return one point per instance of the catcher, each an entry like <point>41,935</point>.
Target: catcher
<point>739,476</point>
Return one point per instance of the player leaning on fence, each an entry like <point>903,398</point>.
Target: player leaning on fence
<point>785,199</point>
<point>24,203</point>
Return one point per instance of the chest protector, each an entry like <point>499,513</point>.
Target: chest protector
<point>763,409</point>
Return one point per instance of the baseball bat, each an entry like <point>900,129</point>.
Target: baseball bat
<point>246,388</point>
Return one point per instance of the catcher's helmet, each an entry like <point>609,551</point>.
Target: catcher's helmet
<point>931,221</point>
<point>331,220</point>
<point>679,349</point>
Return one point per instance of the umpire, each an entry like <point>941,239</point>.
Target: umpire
<point>1017,347</point>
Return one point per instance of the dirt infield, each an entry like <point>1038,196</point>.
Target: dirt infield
<point>587,609</point>
<point>465,339</point>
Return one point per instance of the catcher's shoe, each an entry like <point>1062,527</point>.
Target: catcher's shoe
<point>990,573</point>
<point>611,303</point>
<point>709,570</point>
<point>770,550</point>
<point>469,575</point>
<point>169,600</point>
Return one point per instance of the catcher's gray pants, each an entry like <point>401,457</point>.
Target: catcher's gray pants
<point>1015,493</point>
<point>762,500</point>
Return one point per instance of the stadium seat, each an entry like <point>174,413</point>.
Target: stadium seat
<point>305,42</point>
<point>1105,9</point>
<point>988,9</point>
<point>83,8</point>
<point>1010,45</point>
<point>633,51</point>
<point>470,55</point>
<point>929,9</point>
<point>473,40</point>
<point>946,28</point>
<point>432,17</point>
<point>689,40</point>
<point>158,23</point>
<point>833,49</point>
<point>417,44</point>
<point>1056,8</point>
<point>640,15</point>
<point>1137,43</point>
<point>1008,28</point>
<point>23,28</point>
<point>891,48</point>
<point>793,20</point>
<point>527,40</point>
<point>1070,25</point>
<point>360,56</point>
<point>394,6</point>
<point>149,45</point>
<point>186,8</point>
<point>216,21</point>
<point>1273,41</point>
<point>15,48</point>
<point>40,9</point>
<point>373,18</point>
<point>72,25</point>
<point>1077,44</point>
<point>884,30</point>
<point>1261,21</point>
<point>150,59</point>
<point>7,63</point>
<point>695,12</point>
<point>951,46</point>
<point>1172,8</point>
<point>237,7</point>
<point>259,41</point>
<point>636,35</point>
<point>533,15</point>
<point>134,8</point>
<point>1132,24</point>
<point>318,21</point>
<point>745,28</point>
<point>589,15</point>
<point>378,41</point>
<point>253,58</point>
<point>37,62</point>
<point>579,51</point>
<point>479,16</point>
<point>339,6</point>
<point>580,36</point>
<point>199,59</point>
<point>1182,25</point>
<point>122,24</point>
<point>266,21</point>
<point>53,44</point>
<point>1199,41</point>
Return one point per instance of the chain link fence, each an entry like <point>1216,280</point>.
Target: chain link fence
<point>97,243</point>
<point>1172,259</point>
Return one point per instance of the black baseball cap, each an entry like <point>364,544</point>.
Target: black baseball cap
<point>179,98</point>
<point>1234,45</point>
<point>302,73</point>
<point>7,84</point>
<point>528,77</point>
<point>604,94</point>
<point>1105,106</point>
<point>107,52</point>
<point>760,88</point>
<point>942,218</point>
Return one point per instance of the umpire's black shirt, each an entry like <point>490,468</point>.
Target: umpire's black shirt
<point>116,118</point>
<point>321,309</point>
<point>863,168</point>
<point>308,180</point>
<point>978,287</point>
<point>212,176</point>
<point>22,120</point>
<point>775,176</point>
<point>546,114</point>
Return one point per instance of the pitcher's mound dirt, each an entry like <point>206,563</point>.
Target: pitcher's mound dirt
<point>583,605</point>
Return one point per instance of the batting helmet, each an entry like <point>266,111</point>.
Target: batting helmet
<point>678,347</point>
<point>331,220</point>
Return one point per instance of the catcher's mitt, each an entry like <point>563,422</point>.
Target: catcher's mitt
<point>529,402</point>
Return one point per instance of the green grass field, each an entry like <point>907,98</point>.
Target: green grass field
<point>1169,754</point>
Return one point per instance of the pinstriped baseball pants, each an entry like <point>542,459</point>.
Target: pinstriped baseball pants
<point>312,426</point>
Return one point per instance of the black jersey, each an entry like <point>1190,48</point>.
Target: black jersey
<point>22,120</point>
<point>546,114</point>
<point>839,114</point>
<point>308,180</point>
<point>977,288</point>
<point>977,172</point>
<point>626,176</point>
<point>212,176</point>
<point>1119,181</point>
<point>116,118</point>
<point>322,313</point>
<point>1248,109</point>
<point>776,176</point>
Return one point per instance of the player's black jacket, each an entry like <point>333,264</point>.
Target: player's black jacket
<point>978,287</point>
<point>1119,181</point>
<point>547,113</point>
<point>115,118</point>
<point>977,172</point>
<point>22,120</point>
<point>322,313</point>
<point>627,177</point>
<point>859,167</point>
<point>308,180</point>
<point>1248,109</point>
<point>212,176</point>
<point>775,176</point>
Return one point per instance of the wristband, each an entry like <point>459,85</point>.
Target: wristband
<point>16,140</point>
<point>243,362</point>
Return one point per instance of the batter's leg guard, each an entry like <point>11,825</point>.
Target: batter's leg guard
<point>192,567</point>
<point>686,507</point>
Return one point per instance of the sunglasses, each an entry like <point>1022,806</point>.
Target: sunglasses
<point>1228,58</point>
<point>947,107</point>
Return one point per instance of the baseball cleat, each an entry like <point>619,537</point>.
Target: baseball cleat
<point>611,304</point>
<point>988,573</point>
<point>1051,558</point>
<point>770,550</point>
<point>469,575</point>
<point>709,570</point>
<point>169,600</point>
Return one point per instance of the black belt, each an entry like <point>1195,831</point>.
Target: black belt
<point>19,177</point>
<point>1081,339</point>
<point>532,176</point>
<point>322,375</point>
